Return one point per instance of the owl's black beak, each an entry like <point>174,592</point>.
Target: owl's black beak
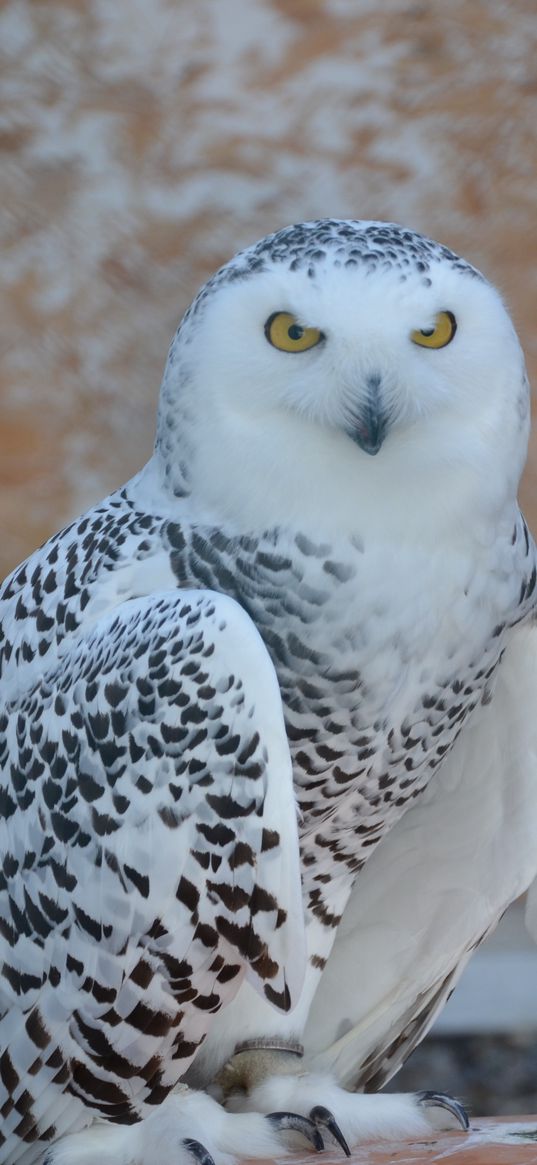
<point>369,426</point>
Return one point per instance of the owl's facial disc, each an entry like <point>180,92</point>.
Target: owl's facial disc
<point>325,341</point>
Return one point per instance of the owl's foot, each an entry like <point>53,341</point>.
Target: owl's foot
<point>356,1117</point>
<point>449,1103</point>
<point>189,1128</point>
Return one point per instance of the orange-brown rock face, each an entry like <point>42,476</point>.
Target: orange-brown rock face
<point>144,143</point>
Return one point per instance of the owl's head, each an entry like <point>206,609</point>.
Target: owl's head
<point>337,367</point>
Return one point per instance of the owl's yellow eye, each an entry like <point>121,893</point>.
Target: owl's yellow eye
<point>445,326</point>
<point>284,332</point>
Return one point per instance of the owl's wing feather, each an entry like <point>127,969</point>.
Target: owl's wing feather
<point>151,855</point>
<point>435,886</point>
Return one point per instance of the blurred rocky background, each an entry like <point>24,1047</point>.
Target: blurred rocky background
<point>144,141</point>
<point>494,1075</point>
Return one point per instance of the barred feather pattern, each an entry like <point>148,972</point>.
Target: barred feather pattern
<point>355,768</point>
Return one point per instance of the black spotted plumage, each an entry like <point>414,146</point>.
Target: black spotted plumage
<point>161,670</point>
<point>134,733</point>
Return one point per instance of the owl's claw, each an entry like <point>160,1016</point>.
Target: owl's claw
<point>443,1100</point>
<point>299,1124</point>
<point>198,1151</point>
<point>322,1116</point>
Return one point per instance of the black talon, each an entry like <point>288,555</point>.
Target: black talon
<point>198,1151</point>
<point>322,1116</point>
<point>299,1124</point>
<point>443,1100</point>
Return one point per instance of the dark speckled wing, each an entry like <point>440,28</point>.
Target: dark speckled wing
<point>148,863</point>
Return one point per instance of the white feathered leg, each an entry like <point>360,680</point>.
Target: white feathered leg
<point>186,1128</point>
<point>354,1117</point>
<point>269,1079</point>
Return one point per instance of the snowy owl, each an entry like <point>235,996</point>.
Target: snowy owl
<point>267,720</point>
